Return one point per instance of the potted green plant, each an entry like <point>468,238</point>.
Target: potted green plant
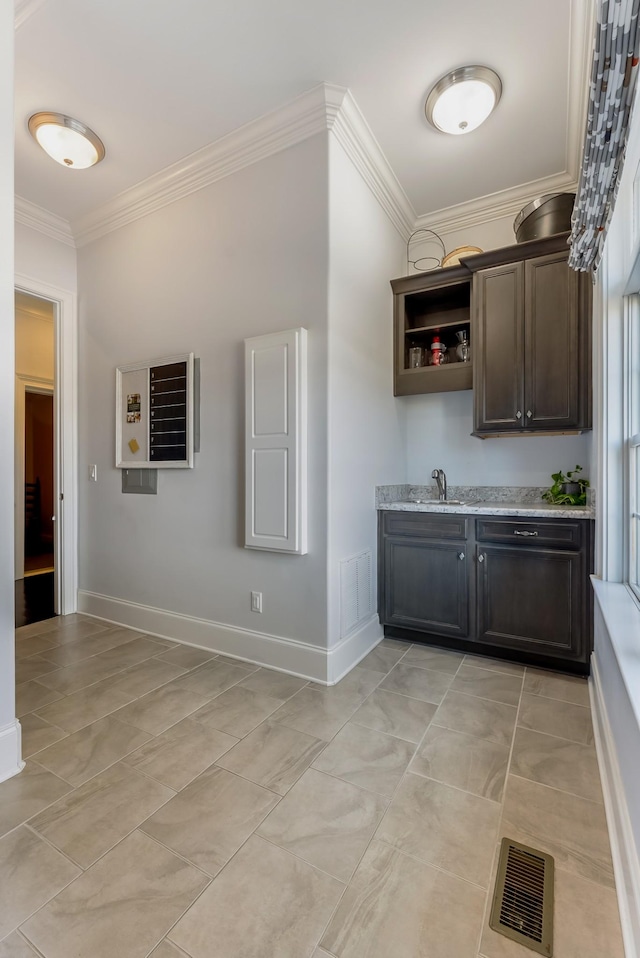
<point>567,490</point>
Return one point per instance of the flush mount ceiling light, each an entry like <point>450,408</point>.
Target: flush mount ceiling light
<point>67,141</point>
<point>463,99</point>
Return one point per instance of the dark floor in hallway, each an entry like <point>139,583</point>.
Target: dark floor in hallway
<point>34,599</point>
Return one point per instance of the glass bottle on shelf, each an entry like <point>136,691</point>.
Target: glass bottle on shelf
<point>463,349</point>
<point>438,352</point>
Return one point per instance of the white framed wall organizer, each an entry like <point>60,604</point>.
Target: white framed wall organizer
<point>276,442</point>
<point>155,414</point>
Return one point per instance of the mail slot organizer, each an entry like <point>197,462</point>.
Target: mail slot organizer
<point>155,414</point>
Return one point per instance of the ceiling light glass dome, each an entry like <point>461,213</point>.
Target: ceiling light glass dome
<point>463,99</point>
<point>67,141</point>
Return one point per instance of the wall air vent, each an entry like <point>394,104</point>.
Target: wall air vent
<point>356,587</point>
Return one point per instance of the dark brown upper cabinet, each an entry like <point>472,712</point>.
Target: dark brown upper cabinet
<point>527,318</point>
<point>532,359</point>
<point>436,303</point>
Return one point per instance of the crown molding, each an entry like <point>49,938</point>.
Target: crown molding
<point>354,134</point>
<point>325,107</point>
<point>494,206</point>
<point>290,124</point>
<point>37,218</point>
<point>581,37</point>
<point>25,9</point>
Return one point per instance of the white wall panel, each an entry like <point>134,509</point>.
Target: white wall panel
<point>276,441</point>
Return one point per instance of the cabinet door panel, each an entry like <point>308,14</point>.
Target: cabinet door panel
<point>551,343</point>
<point>426,586</point>
<point>532,600</point>
<point>498,355</point>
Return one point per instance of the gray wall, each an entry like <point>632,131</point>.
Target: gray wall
<point>245,256</point>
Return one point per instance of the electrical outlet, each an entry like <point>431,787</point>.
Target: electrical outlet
<point>256,601</point>
<point>93,472</point>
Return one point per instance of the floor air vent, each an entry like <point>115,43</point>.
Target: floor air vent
<point>523,898</point>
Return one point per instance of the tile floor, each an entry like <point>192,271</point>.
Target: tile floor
<point>176,803</point>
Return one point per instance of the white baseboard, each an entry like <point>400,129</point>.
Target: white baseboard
<point>326,666</point>
<point>626,866</point>
<point>10,750</point>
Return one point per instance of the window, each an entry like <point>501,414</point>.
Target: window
<point>632,431</point>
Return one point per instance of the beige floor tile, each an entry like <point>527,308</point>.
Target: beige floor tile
<point>285,904</point>
<point>89,821</point>
<point>488,685</point>
<point>237,711</point>
<point>556,718</point>
<point>352,690</point>
<point>571,829</point>
<point>395,714</point>
<point>35,645</point>
<point>381,659</point>
<point>395,644</point>
<point>586,925</point>
<point>145,677</point>
<point>158,710</point>
<point>131,653</point>
<point>72,678</point>
<point>568,688</point>
<point>494,665</point>
<point>35,628</point>
<point>32,873</point>
<point>556,762</point>
<point>28,793</point>
<point>38,734</point>
<point>366,758</point>
<point>32,696</point>
<point>15,946</point>
<point>121,906</point>
<point>313,713</point>
<point>84,707</point>
<point>165,950</point>
<point>469,763</point>
<point>437,660</point>
<point>80,649</point>
<point>272,755</point>
<point>180,754</point>
<point>237,663</point>
<point>325,821</point>
<point>33,668</point>
<point>211,679</point>
<point>83,754</point>
<point>66,631</point>
<point>320,953</point>
<point>492,721</point>
<point>186,657</point>
<point>443,826</point>
<point>397,906</point>
<point>418,682</point>
<point>277,685</point>
<point>211,818</point>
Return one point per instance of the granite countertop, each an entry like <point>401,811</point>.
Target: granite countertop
<point>479,500</point>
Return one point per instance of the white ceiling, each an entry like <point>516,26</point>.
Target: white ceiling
<point>159,79</point>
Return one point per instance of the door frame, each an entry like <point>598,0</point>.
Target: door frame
<point>65,327</point>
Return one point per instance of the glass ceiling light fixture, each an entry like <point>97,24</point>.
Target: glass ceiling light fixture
<point>463,99</point>
<point>67,141</point>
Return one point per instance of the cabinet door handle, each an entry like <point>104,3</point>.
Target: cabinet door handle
<point>481,557</point>
<point>461,556</point>
<point>519,532</point>
<point>518,415</point>
<point>529,414</point>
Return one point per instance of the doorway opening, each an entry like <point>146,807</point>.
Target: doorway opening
<point>36,461</point>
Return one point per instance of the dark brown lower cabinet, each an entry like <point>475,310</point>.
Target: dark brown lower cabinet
<point>427,585</point>
<point>517,588</point>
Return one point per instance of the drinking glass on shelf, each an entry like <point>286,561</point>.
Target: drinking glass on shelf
<point>416,357</point>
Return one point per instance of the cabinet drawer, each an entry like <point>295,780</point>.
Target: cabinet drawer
<point>429,525</point>
<point>533,532</point>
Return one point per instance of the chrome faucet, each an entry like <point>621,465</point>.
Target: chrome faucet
<point>441,482</point>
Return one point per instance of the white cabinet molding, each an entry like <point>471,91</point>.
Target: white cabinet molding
<point>276,442</point>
